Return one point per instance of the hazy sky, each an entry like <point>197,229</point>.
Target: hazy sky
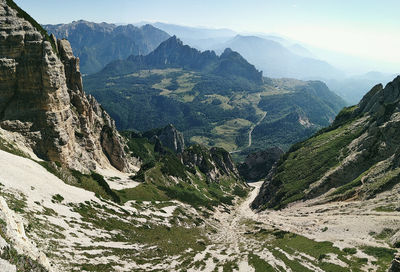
<point>365,28</point>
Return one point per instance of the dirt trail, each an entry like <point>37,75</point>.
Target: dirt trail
<point>345,224</point>
<point>253,127</point>
<point>232,222</point>
<point>230,238</point>
<point>250,133</point>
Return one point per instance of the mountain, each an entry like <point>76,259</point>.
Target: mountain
<point>276,60</point>
<point>174,54</point>
<point>357,157</point>
<point>98,44</point>
<point>43,104</point>
<point>185,32</point>
<point>300,50</point>
<point>214,100</point>
<point>179,207</point>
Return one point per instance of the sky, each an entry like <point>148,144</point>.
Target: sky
<point>363,28</point>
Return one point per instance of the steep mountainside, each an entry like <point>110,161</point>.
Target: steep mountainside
<point>215,100</point>
<point>98,44</point>
<point>357,157</point>
<point>42,98</point>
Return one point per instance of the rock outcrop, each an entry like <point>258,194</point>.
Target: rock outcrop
<point>166,137</point>
<point>173,139</point>
<point>41,98</point>
<point>257,165</point>
<point>15,232</point>
<point>214,163</point>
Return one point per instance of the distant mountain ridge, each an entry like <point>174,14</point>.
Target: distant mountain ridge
<point>278,61</point>
<point>97,44</point>
<point>172,53</point>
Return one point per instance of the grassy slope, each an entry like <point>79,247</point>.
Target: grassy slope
<point>164,177</point>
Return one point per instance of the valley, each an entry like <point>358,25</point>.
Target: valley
<point>212,105</point>
<point>144,152</point>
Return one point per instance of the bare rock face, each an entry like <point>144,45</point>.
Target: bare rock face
<point>170,137</point>
<point>257,165</point>
<point>41,97</point>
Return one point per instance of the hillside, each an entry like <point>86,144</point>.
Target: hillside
<point>214,100</point>
<point>98,44</point>
<point>357,157</point>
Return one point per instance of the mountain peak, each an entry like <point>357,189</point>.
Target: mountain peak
<point>379,101</point>
<point>227,51</point>
<point>173,41</point>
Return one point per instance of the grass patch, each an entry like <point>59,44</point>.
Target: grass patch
<point>385,234</point>
<point>57,198</point>
<point>350,250</point>
<point>8,147</point>
<point>169,241</point>
<point>93,182</point>
<point>388,208</point>
<point>259,264</point>
<point>383,255</point>
<point>142,192</point>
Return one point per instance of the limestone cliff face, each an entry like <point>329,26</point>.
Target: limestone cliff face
<point>41,97</point>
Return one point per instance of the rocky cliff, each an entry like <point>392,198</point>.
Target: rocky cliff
<point>169,137</point>
<point>358,156</point>
<point>42,98</point>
